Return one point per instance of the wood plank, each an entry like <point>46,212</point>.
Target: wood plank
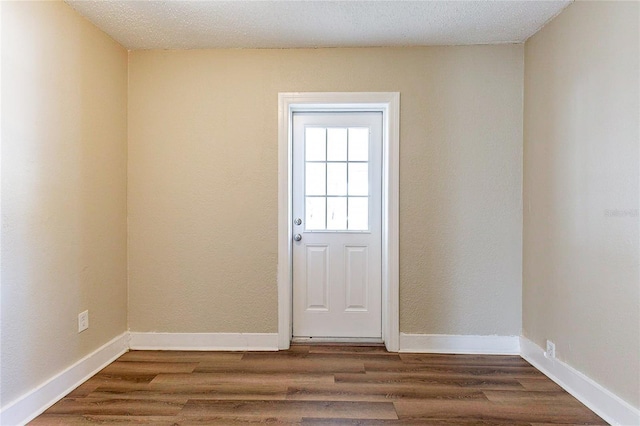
<point>113,406</point>
<point>293,351</point>
<point>279,356</point>
<point>180,391</point>
<point>181,356</point>
<point>219,378</point>
<point>465,360</point>
<point>290,365</point>
<point>84,389</point>
<point>452,370</point>
<point>407,421</point>
<point>103,378</point>
<point>478,410</point>
<point>286,409</point>
<point>143,367</point>
<point>350,349</point>
<point>522,397</point>
<point>77,420</point>
<point>230,421</point>
<point>377,392</point>
<point>554,424</point>
<point>540,384</point>
<point>497,383</point>
<point>324,357</point>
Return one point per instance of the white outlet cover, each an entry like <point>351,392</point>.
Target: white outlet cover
<point>83,321</point>
<point>551,350</point>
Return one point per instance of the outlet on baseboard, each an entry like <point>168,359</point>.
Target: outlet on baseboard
<point>551,350</point>
<point>83,321</point>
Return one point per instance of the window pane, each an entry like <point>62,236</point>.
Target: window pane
<point>315,213</point>
<point>358,144</point>
<point>336,213</point>
<point>358,179</point>
<point>315,179</point>
<point>337,179</point>
<point>336,144</point>
<point>358,214</point>
<point>315,144</point>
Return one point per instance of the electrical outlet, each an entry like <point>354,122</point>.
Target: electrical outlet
<point>551,350</point>
<point>83,321</point>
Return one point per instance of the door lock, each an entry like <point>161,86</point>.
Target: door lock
<point>298,221</point>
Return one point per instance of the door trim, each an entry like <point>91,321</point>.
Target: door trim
<point>388,103</point>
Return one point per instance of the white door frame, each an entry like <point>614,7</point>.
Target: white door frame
<point>389,104</point>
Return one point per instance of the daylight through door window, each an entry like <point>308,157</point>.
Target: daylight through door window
<point>337,178</point>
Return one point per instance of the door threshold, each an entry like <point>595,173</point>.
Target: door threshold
<point>353,341</point>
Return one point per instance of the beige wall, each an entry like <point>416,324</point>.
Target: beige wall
<point>203,182</point>
<point>64,124</point>
<point>581,140</point>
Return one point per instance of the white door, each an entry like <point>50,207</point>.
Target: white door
<point>337,217</point>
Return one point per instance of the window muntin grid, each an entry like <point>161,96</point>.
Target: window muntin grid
<point>336,178</point>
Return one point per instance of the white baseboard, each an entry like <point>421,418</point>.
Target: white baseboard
<point>459,344</point>
<point>34,402</point>
<point>598,399</point>
<point>204,341</point>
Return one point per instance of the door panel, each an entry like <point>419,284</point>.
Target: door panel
<point>317,285</point>
<point>356,279</point>
<point>337,160</point>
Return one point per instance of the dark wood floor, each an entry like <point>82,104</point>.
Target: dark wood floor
<point>317,385</point>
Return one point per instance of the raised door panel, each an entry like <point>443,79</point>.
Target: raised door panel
<point>356,278</point>
<point>317,283</point>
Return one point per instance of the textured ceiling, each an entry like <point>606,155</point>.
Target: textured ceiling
<point>145,24</point>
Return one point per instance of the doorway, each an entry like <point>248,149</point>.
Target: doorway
<point>337,218</point>
<point>317,254</point>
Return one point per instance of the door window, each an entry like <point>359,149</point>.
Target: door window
<point>336,176</point>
